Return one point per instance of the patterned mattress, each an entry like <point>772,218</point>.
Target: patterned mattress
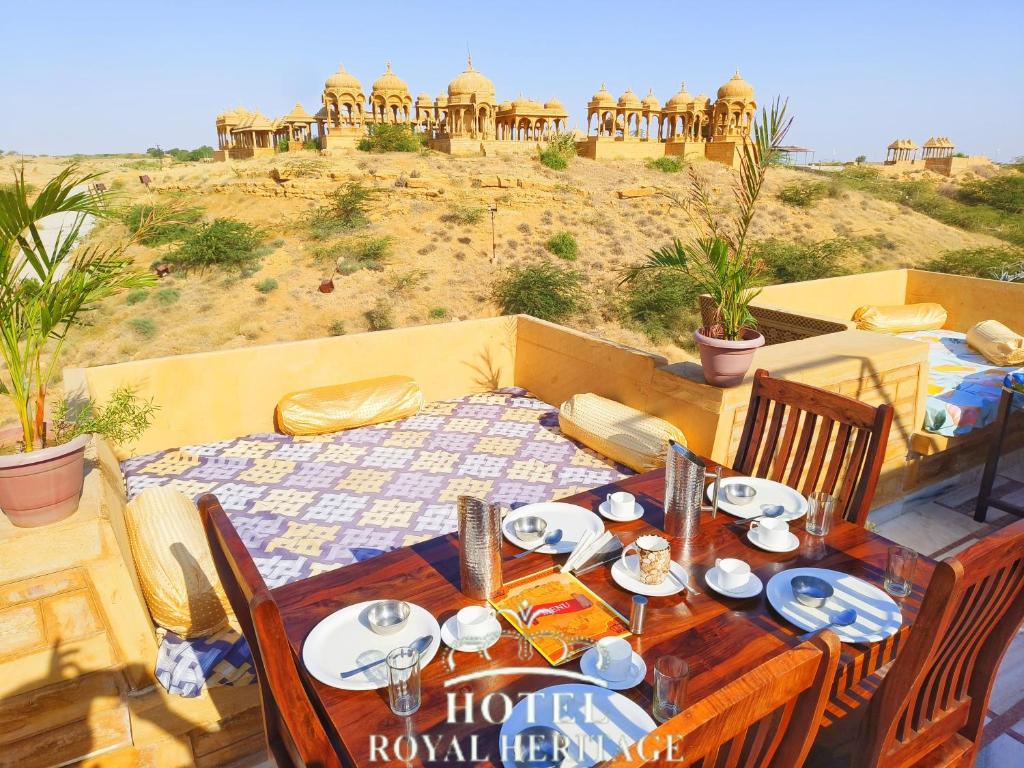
<point>305,505</point>
<point>963,387</point>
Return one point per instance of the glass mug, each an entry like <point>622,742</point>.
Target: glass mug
<point>820,508</point>
<point>899,571</point>
<point>404,680</point>
<point>671,674</point>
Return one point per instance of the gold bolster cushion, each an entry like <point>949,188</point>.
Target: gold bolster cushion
<point>900,318</point>
<point>345,406</point>
<point>172,557</point>
<point>997,343</point>
<point>623,434</point>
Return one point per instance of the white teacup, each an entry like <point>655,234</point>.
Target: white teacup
<point>621,504</point>
<point>614,658</point>
<point>474,623</point>
<point>771,531</point>
<point>732,573</point>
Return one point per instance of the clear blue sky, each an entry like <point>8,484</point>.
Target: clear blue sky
<point>121,76</point>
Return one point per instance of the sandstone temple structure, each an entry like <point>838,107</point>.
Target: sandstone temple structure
<point>937,155</point>
<point>468,119</point>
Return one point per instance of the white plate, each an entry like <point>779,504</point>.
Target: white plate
<point>344,641</point>
<point>450,635</point>
<point>673,583</point>
<point>791,543</point>
<point>750,589</point>
<point>768,492</point>
<point>588,666</point>
<point>619,721</point>
<point>878,615</point>
<point>574,520</point>
<point>605,509</point>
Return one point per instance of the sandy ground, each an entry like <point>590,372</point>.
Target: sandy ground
<point>435,265</point>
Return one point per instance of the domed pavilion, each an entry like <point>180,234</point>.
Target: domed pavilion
<point>471,106</point>
<point>390,101</point>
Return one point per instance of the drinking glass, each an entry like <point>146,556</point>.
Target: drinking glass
<point>820,506</point>
<point>670,677</point>
<point>404,680</point>
<point>899,571</point>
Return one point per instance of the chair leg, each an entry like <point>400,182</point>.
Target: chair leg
<point>992,462</point>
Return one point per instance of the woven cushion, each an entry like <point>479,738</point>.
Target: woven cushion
<point>997,343</point>
<point>900,318</point>
<point>623,434</point>
<point>324,410</point>
<point>172,557</point>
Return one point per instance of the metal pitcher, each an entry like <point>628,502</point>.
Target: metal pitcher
<point>479,548</point>
<point>684,491</point>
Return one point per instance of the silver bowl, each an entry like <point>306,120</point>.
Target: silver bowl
<point>529,527</point>
<point>539,746</point>
<point>739,494</point>
<point>388,616</point>
<point>811,591</point>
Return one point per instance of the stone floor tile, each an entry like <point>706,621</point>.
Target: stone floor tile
<point>1004,752</point>
<point>929,527</point>
<point>1009,687</point>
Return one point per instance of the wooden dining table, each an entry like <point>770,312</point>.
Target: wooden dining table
<point>721,638</point>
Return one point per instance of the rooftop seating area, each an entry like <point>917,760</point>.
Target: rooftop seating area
<point>317,523</point>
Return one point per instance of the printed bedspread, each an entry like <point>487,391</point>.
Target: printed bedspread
<point>963,387</point>
<point>305,505</point>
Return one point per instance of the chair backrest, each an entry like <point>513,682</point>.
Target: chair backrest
<point>295,733</point>
<point>768,717</point>
<point>815,440</point>
<point>936,693</point>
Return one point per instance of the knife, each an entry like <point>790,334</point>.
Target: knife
<point>420,644</point>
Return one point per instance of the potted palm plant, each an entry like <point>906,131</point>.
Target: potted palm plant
<point>48,281</point>
<point>717,257</point>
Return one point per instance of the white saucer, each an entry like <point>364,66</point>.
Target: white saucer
<point>450,635</point>
<point>750,589</point>
<point>604,509</point>
<point>637,672</point>
<point>794,543</point>
<point>670,586</point>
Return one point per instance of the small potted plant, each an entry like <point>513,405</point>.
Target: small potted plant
<point>717,258</point>
<point>47,283</point>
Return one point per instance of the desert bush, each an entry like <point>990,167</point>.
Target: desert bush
<point>788,262</point>
<point>404,282</point>
<point>166,296</point>
<point>1005,192</point>
<point>667,164</point>
<point>345,210</point>
<point>310,144</point>
<point>143,326</point>
<point>803,194</point>
<point>438,313</point>
<point>860,159</point>
<point>390,138</point>
<point>563,245</point>
<point>222,244</point>
<point>267,285</point>
<point>553,159</point>
<point>336,328</point>
<point>191,155</point>
<point>988,262</point>
<point>660,304</point>
<point>160,224</point>
<point>379,317</point>
<point>137,296</point>
<point>282,145</point>
<point>543,290</point>
<point>465,215</point>
<point>563,143</point>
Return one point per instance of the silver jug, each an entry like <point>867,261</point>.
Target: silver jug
<point>479,548</point>
<point>684,492</point>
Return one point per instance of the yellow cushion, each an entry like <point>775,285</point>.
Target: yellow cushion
<point>997,343</point>
<point>621,433</point>
<point>176,571</point>
<point>900,318</point>
<point>345,406</point>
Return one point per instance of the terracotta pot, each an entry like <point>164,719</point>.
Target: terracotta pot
<point>43,486</point>
<point>725,363</point>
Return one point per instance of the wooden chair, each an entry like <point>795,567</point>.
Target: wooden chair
<point>295,733</point>
<point>768,717</point>
<point>930,707</point>
<point>815,440</point>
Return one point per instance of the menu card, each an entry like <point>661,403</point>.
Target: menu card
<point>558,614</point>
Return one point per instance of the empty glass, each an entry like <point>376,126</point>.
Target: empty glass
<point>404,680</point>
<point>899,571</point>
<point>670,677</point>
<point>820,507</point>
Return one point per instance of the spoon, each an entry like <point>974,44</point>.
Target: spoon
<point>420,644</point>
<point>551,538</point>
<point>769,510</point>
<point>844,618</point>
